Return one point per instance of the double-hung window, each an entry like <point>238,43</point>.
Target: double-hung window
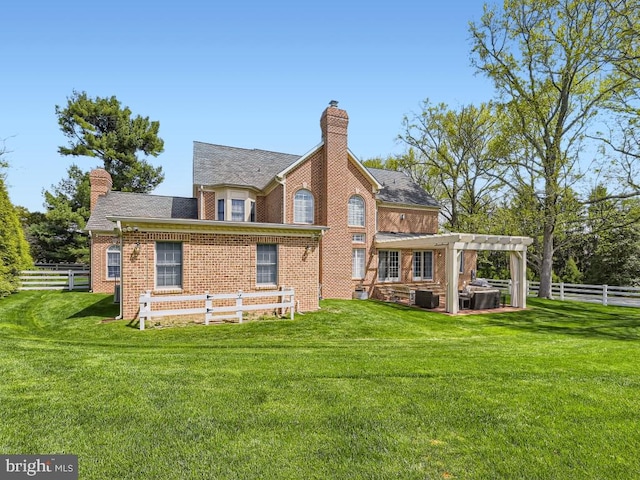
<point>267,264</point>
<point>356,211</point>
<point>221,209</point>
<point>303,206</point>
<point>358,265</point>
<point>388,265</point>
<point>237,210</point>
<point>423,265</point>
<point>113,262</point>
<point>169,265</point>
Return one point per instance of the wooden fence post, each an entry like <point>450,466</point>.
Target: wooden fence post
<point>71,280</point>
<point>207,308</point>
<point>561,290</point>
<point>604,295</point>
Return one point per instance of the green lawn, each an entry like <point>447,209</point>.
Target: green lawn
<point>357,390</point>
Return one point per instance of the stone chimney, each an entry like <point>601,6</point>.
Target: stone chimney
<point>101,183</point>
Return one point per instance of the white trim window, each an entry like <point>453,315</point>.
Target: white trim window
<point>423,265</point>
<point>169,264</point>
<point>267,264</point>
<point>113,262</point>
<point>358,263</point>
<point>237,210</point>
<point>356,211</point>
<point>389,265</point>
<point>303,206</point>
<point>221,209</point>
<point>358,238</point>
<point>461,262</point>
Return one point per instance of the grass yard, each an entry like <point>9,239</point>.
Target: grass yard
<point>358,390</point>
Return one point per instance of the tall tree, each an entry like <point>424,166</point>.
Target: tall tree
<point>102,128</point>
<point>58,235</point>
<point>455,152</point>
<point>14,250</point>
<point>550,61</point>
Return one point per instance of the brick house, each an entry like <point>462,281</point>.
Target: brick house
<point>321,223</point>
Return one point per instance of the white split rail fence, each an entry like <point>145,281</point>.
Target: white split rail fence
<point>215,313</point>
<point>604,294</point>
<point>54,280</point>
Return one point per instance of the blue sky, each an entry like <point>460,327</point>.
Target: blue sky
<point>251,74</point>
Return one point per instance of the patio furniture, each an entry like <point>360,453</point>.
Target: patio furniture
<point>427,299</point>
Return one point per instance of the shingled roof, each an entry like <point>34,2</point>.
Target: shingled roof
<point>140,205</point>
<point>397,187</point>
<point>221,165</point>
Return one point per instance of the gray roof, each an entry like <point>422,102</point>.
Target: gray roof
<point>398,187</point>
<point>221,165</point>
<point>142,205</point>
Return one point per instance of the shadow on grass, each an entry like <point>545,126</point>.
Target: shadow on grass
<point>574,318</point>
<point>103,307</point>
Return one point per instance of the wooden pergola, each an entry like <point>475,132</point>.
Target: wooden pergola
<point>454,244</point>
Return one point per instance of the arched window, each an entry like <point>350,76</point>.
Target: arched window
<point>303,207</point>
<point>356,211</point>
<point>113,262</point>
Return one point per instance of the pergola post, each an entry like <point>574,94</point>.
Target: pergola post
<point>452,268</point>
<point>518,267</point>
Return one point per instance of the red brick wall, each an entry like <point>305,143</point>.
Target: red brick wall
<point>342,179</point>
<point>99,281</point>
<point>269,207</point>
<point>208,209</point>
<point>414,221</point>
<point>219,264</point>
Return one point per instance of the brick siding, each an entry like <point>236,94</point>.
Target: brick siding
<point>219,263</point>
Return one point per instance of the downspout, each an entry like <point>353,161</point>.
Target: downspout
<point>118,229</point>
<point>201,202</point>
<point>283,182</point>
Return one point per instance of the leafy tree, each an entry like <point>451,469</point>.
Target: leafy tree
<point>14,250</point>
<point>102,128</point>
<point>455,152</point>
<point>612,240</point>
<point>551,63</point>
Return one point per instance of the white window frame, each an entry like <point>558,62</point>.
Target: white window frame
<point>113,251</point>
<point>461,262</point>
<point>419,271</point>
<point>356,217</point>
<point>267,263</point>
<point>358,263</point>
<point>176,265</point>
<point>237,210</point>
<point>359,238</point>
<point>390,264</point>
<point>303,206</point>
<point>220,211</point>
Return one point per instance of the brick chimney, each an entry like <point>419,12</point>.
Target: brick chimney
<point>335,254</point>
<point>333,124</point>
<point>101,183</point>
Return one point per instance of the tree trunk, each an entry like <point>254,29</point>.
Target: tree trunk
<point>547,261</point>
